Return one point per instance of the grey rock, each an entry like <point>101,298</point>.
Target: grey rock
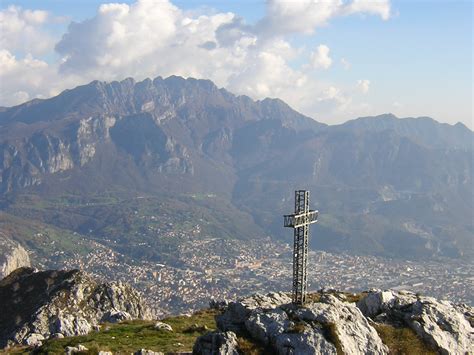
<point>353,330</point>
<point>34,339</point>
<point>66,302</point>
<point>12,257</point>
<point>266,326</point>
<point>444,325</point>
<point>57,336</point>
<point>70,325</point>
<point>102,352</point>
<point>163,326</point>
<point>236,314</point>
<point>309,342</point>
<point>75,349</point>
<point>216,343</point>
<point>116,316</point>
<point>219,305</point>
<point>375,302</point>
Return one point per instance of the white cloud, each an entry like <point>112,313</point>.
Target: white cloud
<point>304,16</point>
<point>320,57</point>
<point>267,73</point>
<point>363,85</point>
<point>22,30</point>
<point>345,64</point>
<point>298,16</point>
<point>149,38</point>
<point>375,7</point>
<point>20,74</point>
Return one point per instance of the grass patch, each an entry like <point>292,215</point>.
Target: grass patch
<point>401,340</point>
<point>248,346</point>
<point>330,333</point>
<point>128,337</point>
<point>354,297</point>
<point>16,350</point>
<point>313,297</point>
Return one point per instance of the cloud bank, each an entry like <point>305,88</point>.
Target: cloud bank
<point>150,38</point>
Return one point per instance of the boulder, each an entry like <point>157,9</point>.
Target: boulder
<point>348,324</point>
<point>236,314</point>
<point>34,339</point>
<point>69,325</point>
<point>375,302</point>
<point>56,336</point>
<point>116,316</point>
<point>75,349</point>
<point>216,343</point>
<point>163,326</point>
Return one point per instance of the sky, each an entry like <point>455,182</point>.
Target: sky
<point>331,60</point>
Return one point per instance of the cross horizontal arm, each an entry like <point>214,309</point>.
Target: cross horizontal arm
<point>300,219</point>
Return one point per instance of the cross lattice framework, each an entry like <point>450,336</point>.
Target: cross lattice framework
<point>300,222</point>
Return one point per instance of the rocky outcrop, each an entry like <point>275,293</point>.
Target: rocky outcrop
<point>349,326</point>
<point>445,326</point>
<point>318,328</point>
<point>51,304</point>
<point>237,313</point>
<point>12,256</point>
<point>334,323</point>
<point>216,343</point>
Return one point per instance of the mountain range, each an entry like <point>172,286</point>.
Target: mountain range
<point>83,162</point>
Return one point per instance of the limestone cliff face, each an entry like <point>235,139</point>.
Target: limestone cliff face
<point>38,305</point>
<point>74,143</point>
<point>26,162</point>
<point>12,257</point>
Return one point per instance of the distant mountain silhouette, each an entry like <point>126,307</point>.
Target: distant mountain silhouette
<point>383,185</point>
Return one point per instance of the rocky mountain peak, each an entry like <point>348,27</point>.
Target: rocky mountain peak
<point>424,130</point>
<point>36,305</point>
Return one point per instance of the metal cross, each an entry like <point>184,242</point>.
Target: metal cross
<point>300,222</point>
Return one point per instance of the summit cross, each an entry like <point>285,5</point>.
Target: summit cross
<point>300,222</point>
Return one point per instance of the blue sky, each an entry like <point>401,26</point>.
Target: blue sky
<point>353,61</point>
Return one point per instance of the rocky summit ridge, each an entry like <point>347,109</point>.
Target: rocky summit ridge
<point>37,305</point>
<point>335,323</point>
<point>38,308</point>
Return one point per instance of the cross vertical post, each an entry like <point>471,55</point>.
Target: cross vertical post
<point>300,222</point>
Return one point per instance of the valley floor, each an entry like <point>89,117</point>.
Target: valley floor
<point>243,268</point>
